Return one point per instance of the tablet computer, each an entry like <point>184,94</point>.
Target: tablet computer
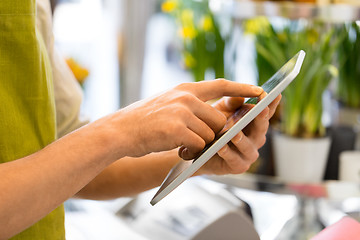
<point>273,87</point>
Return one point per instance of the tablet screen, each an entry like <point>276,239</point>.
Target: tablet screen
<point>278,77</point>
<point>268,86</point>
<point>273,87</point>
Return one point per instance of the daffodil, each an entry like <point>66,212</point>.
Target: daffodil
<point>206,23</point>
<point>169,6</point>
<point>258,25</point>
<point>189,60</point>
<point>187,17</point>
<point>334,71</point>
<point>313,36</point>
<point>79,72</point>
<point>282,37</point>
<point>188,33</point>
<point>199,35</point>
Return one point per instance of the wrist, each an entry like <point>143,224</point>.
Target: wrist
<point>118,136</point>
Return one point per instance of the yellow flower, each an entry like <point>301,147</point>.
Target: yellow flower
<point>313,36</point>
<point>79,72</point>
<point>333,70</point>
<point>169,6</point>
<point>258,25</point>
<point>187,33</point>
<point>206,23</point>
<point>187,17</point>
<point>189,60</point>
<point>282,37</point>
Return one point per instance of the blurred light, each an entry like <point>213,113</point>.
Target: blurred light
<point>221,5</point>
<point>215,5</point>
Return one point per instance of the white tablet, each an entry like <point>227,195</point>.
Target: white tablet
<point>273,87</point>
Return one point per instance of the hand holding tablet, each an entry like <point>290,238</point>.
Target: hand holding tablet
<point>273,87</point>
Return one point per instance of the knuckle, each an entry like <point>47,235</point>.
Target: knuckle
<point>174,128</point>
<point>222,82</point>
<point>219,122</point>
<point>199,145</point>
<point>222,121</point>
<point>254,156</point>
<point>183,86</point>
<point>251,155</point>
<point>241,168</point>
<point>262,141</point>
<point>186,97</point>
<point>210,136</point>
<point>246,167</point>
<point>181,110</point>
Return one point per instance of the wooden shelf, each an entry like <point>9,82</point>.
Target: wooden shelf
<point>341,11</point>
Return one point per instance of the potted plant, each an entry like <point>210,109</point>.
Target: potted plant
<point>300,145</point>
<point>348,84</point>
<point>345,130</point>
<point>202,43</point>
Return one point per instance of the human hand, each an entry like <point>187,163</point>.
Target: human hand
<point>238,155</point>
<point>179,117</point>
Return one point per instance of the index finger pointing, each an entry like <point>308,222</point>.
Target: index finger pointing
<point>207,90</point>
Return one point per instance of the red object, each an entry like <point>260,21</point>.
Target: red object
<point>345,229</point>
<point>310,190</point>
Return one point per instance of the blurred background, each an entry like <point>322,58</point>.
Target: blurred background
<point>308,173</point>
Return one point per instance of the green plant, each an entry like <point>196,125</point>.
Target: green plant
<point>302,106</point>
<point>202,43</point>
<point>348,90</point>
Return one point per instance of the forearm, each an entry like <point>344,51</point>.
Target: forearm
<point>33,186</point>
<point>130,176</point>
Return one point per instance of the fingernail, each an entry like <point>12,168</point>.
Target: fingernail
<point>258,89</point>
<point>238,138</point>
<point>223,150</point>
<point>184,153</point>
<point>187,155</point>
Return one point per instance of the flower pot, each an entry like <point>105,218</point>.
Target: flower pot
<point>350,166</point>
<point>300,160</point>
<point>342,139</point>
<point>350,117</point>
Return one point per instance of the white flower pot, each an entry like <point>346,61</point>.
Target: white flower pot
<point>300,160</point>
<point>350,166</point>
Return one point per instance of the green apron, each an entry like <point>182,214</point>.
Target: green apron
<point>27,110</point>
